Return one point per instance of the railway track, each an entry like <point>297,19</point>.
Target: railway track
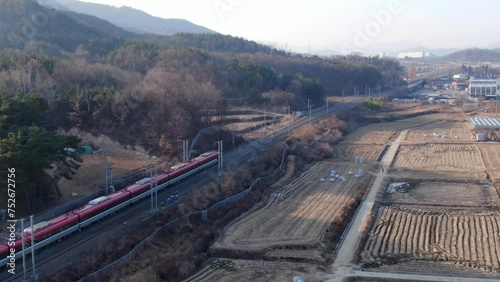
<point>140,210</point>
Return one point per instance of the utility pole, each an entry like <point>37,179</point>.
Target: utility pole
<point>233,138</point>
<point>342,96</point>
<point>369,92</point>
<point>156,188</point>
<point>355,91</point>
<point>327,106</point>
<point>22,248</point>
<point>379,89</point>
<point>265,119</point>
<point>151,211</point>
<point>289,121</point>
<point>112,188</point>
<point>108,171</point>
<point>221,160</point>
<point>308,103</point>
<point>106,178</point>
<point>310,114</point>
<point>185,150</point>
<point>34,276</point>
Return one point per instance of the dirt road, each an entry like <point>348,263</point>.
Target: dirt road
<point>341,266</point>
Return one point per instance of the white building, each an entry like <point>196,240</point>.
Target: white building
<point>483,87</point>
<point>461,76</point>
<point>414,55</point>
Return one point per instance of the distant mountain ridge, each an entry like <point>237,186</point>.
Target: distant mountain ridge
<point>474,55</point>
<point>63,32</point>
<point>128,18</point>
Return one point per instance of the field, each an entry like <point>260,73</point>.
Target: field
<point>466,238</point>
<point>375,134</point>
<point>491,156</point>
<point>438,193</point>
<point>441,132</point>
<point>369,141</point>
<point>298,215</point>
<point>369,153</point>
<point>244,270</point>
<point>439,161</point>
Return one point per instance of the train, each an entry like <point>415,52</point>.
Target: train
<point>50,231</point>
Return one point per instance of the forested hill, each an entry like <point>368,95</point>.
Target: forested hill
<point>213,42</point>
<point>474,55</point>
<point>26,25</point>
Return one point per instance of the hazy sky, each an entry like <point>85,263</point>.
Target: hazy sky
<point>351,24</point>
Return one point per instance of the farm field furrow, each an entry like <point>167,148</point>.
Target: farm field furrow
<point>439,160</point>
<point>457,234</point>
<point>438,193</point>
<point>301,213</point>
<point>491,156</point>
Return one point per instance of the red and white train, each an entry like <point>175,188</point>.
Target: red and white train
<point>50,231</point>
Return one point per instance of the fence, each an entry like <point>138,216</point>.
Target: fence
<point>204,216</point>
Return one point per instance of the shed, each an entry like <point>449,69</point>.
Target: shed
<point>87,150</point>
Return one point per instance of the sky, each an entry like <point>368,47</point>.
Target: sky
<point>346,25</point>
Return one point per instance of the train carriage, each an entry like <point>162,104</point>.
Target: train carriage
<point>53,226</point>
<point>94,210</point>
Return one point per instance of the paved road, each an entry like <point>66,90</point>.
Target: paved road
<point>342,264</point>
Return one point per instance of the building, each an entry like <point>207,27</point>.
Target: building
<point>485,87</point>
<point>461,76</point>
<point>441,81</point>
<point>484,123</point>
<point>414,55</point>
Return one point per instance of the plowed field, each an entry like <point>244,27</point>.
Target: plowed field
<point>467,238</point>
<point>300,214</point>
<point>453,160</point>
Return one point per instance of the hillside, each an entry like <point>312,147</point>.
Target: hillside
<point>213,42</point>
<point>130,19</point>
<point>26,25</point>
<point>474,55</point>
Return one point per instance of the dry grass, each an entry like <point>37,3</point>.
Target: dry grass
<point>438,159</point>
<point>369,153</point>
<point>90,176</point>
<point>491,156</point>
<point>300,214</point>
<point>452,132</point>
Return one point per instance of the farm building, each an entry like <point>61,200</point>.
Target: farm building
<point>485,123</point>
